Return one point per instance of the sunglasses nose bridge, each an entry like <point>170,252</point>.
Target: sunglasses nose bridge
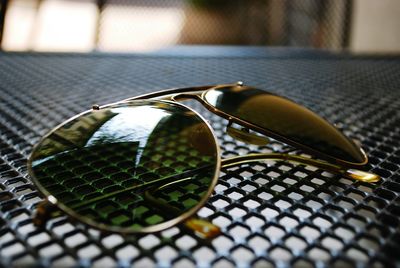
<point>187,96</point>
<point>243,134</point>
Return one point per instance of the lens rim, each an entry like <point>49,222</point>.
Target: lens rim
<point>126,230</point>
<point>274,135</point>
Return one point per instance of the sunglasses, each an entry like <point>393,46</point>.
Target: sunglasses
<point>147,163</point>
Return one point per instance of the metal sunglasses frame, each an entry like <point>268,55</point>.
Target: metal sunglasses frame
<point>47,208</point>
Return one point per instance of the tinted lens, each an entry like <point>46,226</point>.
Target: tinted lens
<point>129,167</point>
<point>286,121</point>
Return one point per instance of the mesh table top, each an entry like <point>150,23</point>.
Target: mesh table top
<point>271,214</point>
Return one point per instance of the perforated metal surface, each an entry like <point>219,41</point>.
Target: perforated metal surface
<point>270,213</point>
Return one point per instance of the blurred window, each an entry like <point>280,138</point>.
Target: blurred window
<point>147,25</point>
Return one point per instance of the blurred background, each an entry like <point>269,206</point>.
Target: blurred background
<point>360,26</point>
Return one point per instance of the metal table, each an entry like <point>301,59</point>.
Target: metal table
<point>271,214</point>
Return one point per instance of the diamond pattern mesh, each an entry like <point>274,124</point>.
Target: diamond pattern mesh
<point>271,213</point>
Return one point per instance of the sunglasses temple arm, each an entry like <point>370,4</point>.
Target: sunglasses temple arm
<point>354,174</point>
<point>201,227</point>
<point>47,210</point>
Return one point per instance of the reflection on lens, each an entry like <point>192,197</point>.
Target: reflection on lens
<point>129,166</point>
<point>290,122</point>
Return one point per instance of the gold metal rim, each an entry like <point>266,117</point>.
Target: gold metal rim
<point>276,136</point>
<point>124,230</point>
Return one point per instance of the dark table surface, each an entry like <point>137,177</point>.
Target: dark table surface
<point>270,213</point>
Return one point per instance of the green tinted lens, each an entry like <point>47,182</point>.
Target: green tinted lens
<point>286,121</point>
<point>134,167</point>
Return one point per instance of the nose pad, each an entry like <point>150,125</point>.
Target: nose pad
<point>244,135</point>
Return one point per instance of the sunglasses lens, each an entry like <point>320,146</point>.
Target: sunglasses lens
<point>286,121</point>
<point>134,167</point>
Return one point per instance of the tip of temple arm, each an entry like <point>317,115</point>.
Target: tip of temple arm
<point>362,175</point>
<point>203,228</point>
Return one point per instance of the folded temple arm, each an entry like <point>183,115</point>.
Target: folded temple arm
<point>355,174</point>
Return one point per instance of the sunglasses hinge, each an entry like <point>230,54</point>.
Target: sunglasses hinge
<point>44,211</point>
